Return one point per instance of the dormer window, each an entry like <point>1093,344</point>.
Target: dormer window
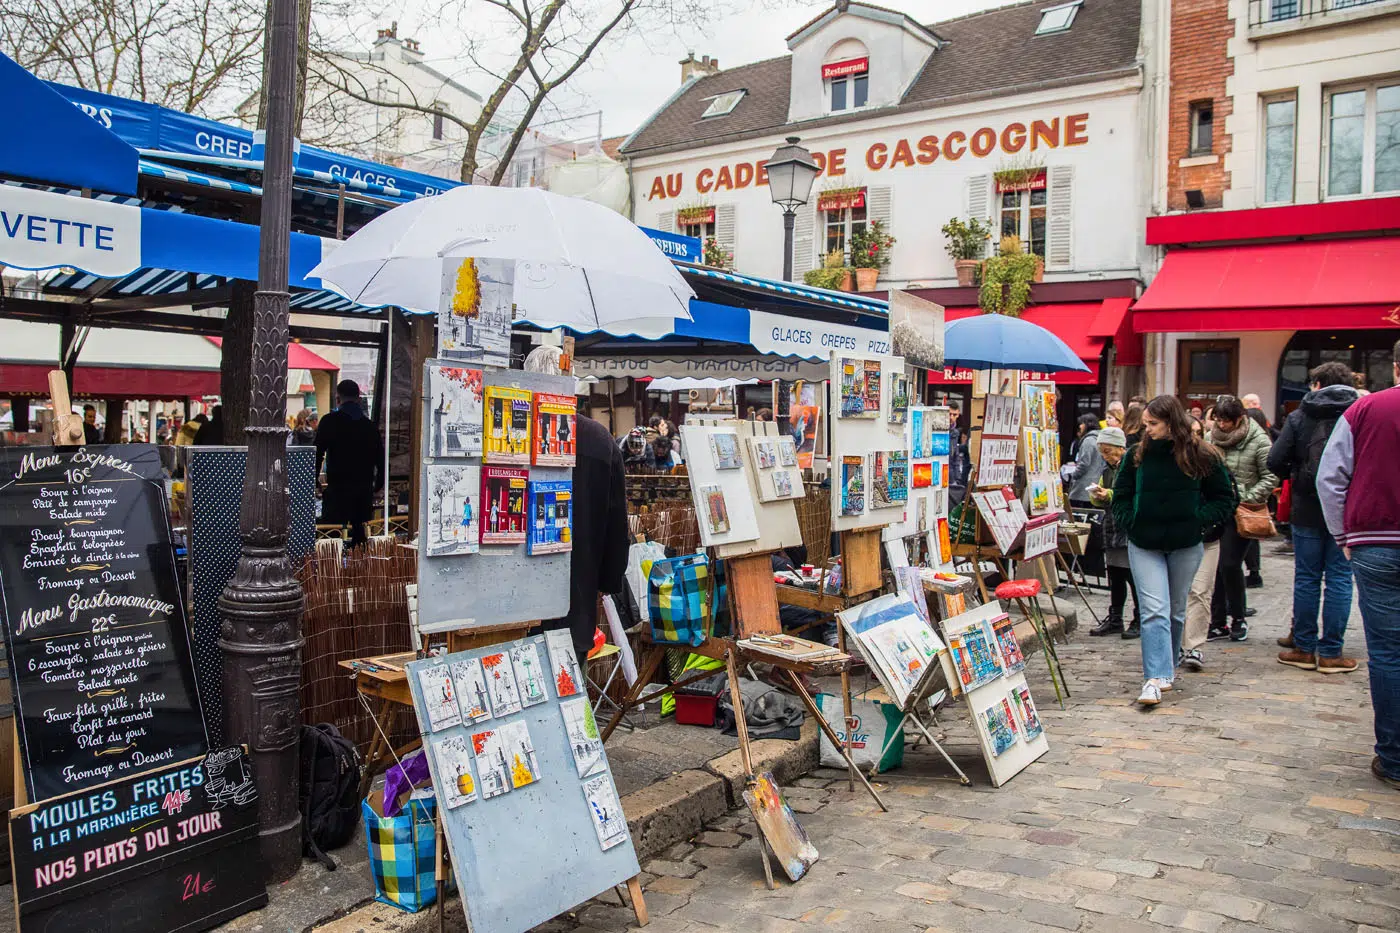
<point>723,104</point>
<point>849,82</point>
<point>1057,18</point>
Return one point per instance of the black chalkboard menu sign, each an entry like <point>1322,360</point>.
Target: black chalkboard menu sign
<point>94,618</point>
<point>172,849</point>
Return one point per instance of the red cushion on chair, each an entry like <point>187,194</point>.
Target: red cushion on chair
<point>1018,589</point>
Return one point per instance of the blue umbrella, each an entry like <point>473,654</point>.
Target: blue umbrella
<point>996,341</point>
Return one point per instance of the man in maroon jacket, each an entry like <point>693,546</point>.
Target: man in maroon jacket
<point>1358,485</point>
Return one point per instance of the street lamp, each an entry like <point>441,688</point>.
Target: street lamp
<point>260,609</point>
<point>791,172</point>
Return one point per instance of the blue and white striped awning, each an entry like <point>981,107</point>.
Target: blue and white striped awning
<point>157,170</point>
<point>823,296</point>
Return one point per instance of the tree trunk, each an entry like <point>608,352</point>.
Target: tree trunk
<point>235,377</point>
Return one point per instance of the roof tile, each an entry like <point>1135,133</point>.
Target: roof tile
<point>986,55</point>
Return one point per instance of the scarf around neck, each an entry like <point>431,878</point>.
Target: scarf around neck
<point>1230,438</point>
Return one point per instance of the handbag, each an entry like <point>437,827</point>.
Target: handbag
<point>678,600</point>
<point>402,853</point>
<point>1252,521</point>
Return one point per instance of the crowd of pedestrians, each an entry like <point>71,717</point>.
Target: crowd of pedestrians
<point>1188,493</point>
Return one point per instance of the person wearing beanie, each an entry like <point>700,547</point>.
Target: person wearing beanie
<point>1112,443</point>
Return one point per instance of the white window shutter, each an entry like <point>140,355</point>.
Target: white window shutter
<point>724,225</point>
<point>1059,240</point>
<point>979,197</point>
<point>666,221</point>
<point>979,200</point>
<point>879,204</point>
<point>802,242</point>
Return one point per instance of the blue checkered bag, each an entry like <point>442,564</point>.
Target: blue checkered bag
<point>402,854</point>
<point>677,594</point>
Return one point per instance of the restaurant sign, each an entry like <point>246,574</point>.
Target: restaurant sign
<point>843,69</point>
<point>762,367</point>
<point>845,199</point>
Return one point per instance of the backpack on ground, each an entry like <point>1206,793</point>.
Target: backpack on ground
<point>1312,450</point>
<point>330,791</point>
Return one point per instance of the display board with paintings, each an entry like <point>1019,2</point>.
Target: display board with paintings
<point>985,664</point>
<point>532,817</point>
<point>872,473</point>
<point>1001,511</point>
<point>495,528</point>
<point>725,506</point>
<point>997,444</point>
<point>929,443</point>
<point>774,502</point>
<point>1040,449</point>
<point>896,640</point>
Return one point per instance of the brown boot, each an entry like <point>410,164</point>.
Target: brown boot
<point>1286,641</point>
<point>1334,665</point>
<point>1299,659</point>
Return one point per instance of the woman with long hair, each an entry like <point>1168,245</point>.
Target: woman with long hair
<point>1170,487</point>
<point>1132,423</point>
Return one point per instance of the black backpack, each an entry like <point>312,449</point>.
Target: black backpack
<point>1306,474</point>
<point>330,791</point>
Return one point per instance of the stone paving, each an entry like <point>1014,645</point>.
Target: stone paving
<point>1243,803</point>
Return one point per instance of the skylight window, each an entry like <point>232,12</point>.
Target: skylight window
<point>1057,18</point>
<point>723,104</point>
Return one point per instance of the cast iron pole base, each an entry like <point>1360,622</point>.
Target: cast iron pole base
<point>260,609</point>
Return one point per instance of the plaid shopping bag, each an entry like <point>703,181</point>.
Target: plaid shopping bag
<point>402,854</point>
<point>677,593</point>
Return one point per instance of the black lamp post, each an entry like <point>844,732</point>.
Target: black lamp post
<point>260,609</point>
<point>791,172</point>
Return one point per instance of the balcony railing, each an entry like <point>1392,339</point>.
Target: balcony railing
<point>1267,12</point>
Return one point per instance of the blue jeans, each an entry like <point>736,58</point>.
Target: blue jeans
<point>1163,583</point>
<point>1377,571</point>
<point>1316,557</point>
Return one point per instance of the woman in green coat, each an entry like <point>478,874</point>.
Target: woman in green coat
<point>1170,486</point>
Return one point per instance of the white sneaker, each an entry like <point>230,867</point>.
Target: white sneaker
<point>1164,684</point>
<point>1151,694</point>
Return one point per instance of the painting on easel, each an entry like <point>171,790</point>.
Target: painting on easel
<point>785,836</point>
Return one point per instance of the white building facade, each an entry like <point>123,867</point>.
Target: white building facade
<point>1031,117</point>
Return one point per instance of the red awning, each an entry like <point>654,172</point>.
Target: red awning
<point>1072,323</point>
<point>1313,285</point>
<point>112,381</point>
<point>298,357</point>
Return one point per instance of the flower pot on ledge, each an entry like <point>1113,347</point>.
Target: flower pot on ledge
<point>846,281</point>
<point>866,279</point>
<point>967,271</point>
<point>1039,270</point>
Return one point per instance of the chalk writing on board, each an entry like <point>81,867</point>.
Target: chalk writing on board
<point>94,617</point>
<point>164,850</point>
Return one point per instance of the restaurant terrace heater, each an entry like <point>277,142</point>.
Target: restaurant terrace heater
<point>791,172</point>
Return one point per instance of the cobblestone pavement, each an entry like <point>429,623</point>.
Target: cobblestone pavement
<point>1243,803</point>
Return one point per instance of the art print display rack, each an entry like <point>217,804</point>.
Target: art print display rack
<point>753,526</point>
<point>526,799</point>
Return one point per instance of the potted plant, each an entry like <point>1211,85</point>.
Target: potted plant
<point>716,256</point>
<point>1007,278</point>
<point>967,245</point>
<point>870,253</point>
<point>1010,245</point>
<point>834,274</point>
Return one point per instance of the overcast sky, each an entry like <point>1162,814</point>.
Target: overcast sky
<point>629,79</point>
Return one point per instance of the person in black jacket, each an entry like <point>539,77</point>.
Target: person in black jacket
<point>599,558</point>
<point>349,445</point>
<point>1317,557</point>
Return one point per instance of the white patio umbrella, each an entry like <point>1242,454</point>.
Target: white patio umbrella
<point>578,264</point>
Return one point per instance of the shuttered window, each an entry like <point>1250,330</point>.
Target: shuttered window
<point>1059,239</point>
